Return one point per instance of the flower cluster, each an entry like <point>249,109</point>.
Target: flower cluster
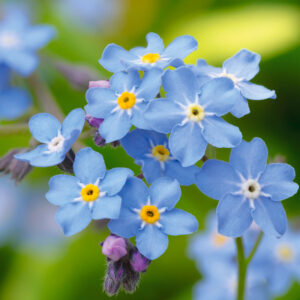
<point>165,114</point>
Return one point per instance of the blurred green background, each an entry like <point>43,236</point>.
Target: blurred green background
<point>74,269</point>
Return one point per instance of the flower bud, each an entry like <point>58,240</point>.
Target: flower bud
<point>94,122</point>
<point>99,84</point>
<point>139,262</point>
<point>131,280</point>
<point>114,247</point>
<point>67,164</point>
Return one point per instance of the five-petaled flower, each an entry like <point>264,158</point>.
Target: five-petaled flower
<point>123,104</point>
<point>193,116</point>
<point>155,55</point>
<point>240,68</point>
<point>57,138</point>
<point>150,150</point>
<point>149,214</point>
<point>248,189</point>
<point>91,194</point>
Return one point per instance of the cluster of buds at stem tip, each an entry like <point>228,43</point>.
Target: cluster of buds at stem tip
<point>124,265</point>
<point>16,168</point>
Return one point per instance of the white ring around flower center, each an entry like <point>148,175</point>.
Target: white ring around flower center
<point>56,144</point>
<point>230,76</point>
<point>251,189</point>
<point>9,40</point>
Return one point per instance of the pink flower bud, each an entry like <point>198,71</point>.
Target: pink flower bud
<point>114,247</point>
<point>139,262</point>
<point>99,83</point>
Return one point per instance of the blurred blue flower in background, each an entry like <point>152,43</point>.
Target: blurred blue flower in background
<point>155,55</point>
<point>19,42</point>
<point>240,68</point>
<point>57,138</point>
<point>150,149</point>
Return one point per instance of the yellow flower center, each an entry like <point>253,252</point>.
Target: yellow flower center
<point>219,240</point>
<point>161,153</point>
<point>285,253</point>
<point>196,112</point>
<point>150,214</point>
<point>126,100</point>
<point>151,58</point>
<point>90,192</point>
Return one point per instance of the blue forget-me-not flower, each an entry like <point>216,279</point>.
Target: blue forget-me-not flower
<point>57,139</point>
<point>123,104</point>
<point>248,189</point>
<point>115,58</point>
<point>193,116</point>
<point>149,214</point>
<point>240,68</point>
<point>150,149</point>
<point>91,194</point>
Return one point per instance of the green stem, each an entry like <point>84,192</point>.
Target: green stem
<point>254,249</point>
<point>242,268</point>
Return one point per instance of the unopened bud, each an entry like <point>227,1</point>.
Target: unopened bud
<point>99,84</point>
<point>131,280</point>
<point>94,122</point>
<point>114,247</point>
<point>67,164</point>
<point>139,262</point>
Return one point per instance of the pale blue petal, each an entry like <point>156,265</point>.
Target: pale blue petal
<point>115,126</point>
<point>217,178</point>
<point>89,166</point>
<point>187,144</point>
<point>241,107</point>
<point>114,180</point>
<point>250,159</point>
<point>106,208</point>
<point>63,189</point>
<point>122,81</point>
<point>114,58</point>
<point>163,115</point>
<point>270,216</point>
<point>73,121</point>
<point>219,133</point>
<point>5,78</point>
<point>155,43</point>
<point>204,69</point>
<point>127,224</point>
<point>234,215</point>
<point>244,64</point>
<point>255,92</point>
<point>151,169</point>
<point>277,181</point>
<point>165,192</point>
<point>38,36</point>
<point>134,194</point>
<point>101,101</point>
<point>178,222</point>
<point>180,47</point>
<point>185,175</point>
<point>151,242</point>
<point>138,116</point>
<point>73,217</point>
<point>44,127</point>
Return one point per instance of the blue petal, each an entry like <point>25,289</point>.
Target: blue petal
<point>180,47</point>
<point>38,36</point>
<point>22,62</point>
<point>73,121</point>
<point>89,166</point>
<point>114,57</point>
<point>187,144</point>
<point>40,157</point>
<point>127,224</point>
<point>255,92</point>
<point>244,64</point>
<point>250,159</point>
<point>178,222</point>
<point>203,68</point>
<point>180,85</point>
<point>73,217</point>
<point>14,102</point>
<point>115,126</point>
<point>101,101</point>
<point>165,192</point>
<point>241,107</point>
<point>219,133</point>
<point>134,194</point>
<point>114,180</point>
<point>217,178</point>
<point>151,169</point>
<point>107,208</point>
<point>44,127</point>
<point>63,189</point>
<point>151,242</point>
<point>163,115</point>
<point>150,85</point>
<point>234,215</point>
<point>138,116</point>
<point>270,216</point>
<point>122,81</point>
<point>277,181</point>
<point>5,78</point>
<point>185,175</point>
<point>218,96</point>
